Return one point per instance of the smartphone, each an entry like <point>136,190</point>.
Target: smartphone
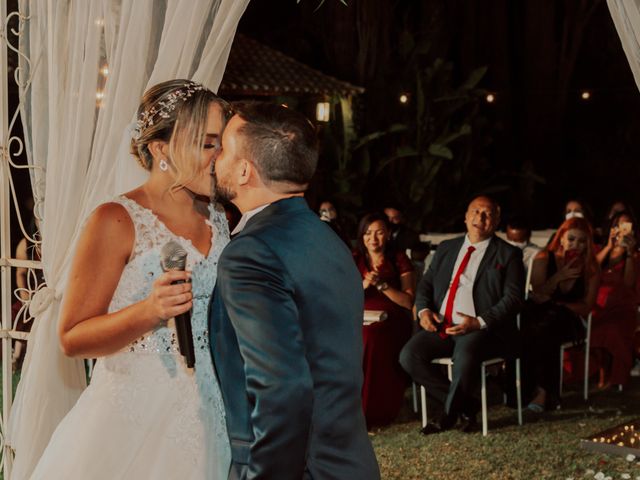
<point>570,255</point>
<point>625,228</point>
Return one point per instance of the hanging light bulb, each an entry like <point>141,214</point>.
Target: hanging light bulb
<point>322,111</point>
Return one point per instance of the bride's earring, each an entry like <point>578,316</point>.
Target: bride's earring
<point>163,165</point>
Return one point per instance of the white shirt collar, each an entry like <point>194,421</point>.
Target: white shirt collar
<point>246,216</point>
<point>480,246</point>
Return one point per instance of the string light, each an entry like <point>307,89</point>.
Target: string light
<point>404,98</point>
<point>585,95</point>
<point>490,98</point>
<point>104,70</point>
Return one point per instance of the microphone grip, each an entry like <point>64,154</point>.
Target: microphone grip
<point>185,338</point>
<point>185,335</point>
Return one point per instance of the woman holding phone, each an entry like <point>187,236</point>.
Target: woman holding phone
<point>614,316</point>
<point>564,284</point>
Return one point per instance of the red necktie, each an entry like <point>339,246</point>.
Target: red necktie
<point>448,311</point>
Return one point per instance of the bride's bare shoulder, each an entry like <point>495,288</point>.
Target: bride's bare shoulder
<point>110,225</point>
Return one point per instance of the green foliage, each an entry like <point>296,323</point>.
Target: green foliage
<point>434,147</point>
<point>342,175</point>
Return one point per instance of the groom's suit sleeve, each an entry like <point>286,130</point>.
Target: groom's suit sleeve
<point>259,297</point>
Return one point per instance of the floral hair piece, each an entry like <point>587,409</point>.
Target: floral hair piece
<point>164,107</point>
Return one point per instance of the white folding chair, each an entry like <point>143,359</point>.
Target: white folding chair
<point>428,259</point>
<point>527,282</point>
<point>587,344</point>
<point>448,362</point>
<point>483,370</point>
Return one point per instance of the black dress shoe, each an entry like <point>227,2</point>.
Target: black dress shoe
<point>430,428</point>
<point>446,422</point>
<point>469,424</point>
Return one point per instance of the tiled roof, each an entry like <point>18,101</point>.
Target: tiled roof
<point>255,69</point>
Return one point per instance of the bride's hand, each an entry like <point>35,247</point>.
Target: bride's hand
<point>167,300</point>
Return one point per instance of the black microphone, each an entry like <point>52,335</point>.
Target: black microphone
<point>174,257</point>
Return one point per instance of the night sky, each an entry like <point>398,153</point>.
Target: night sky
<point>538,144</point>
<point>546,143</point>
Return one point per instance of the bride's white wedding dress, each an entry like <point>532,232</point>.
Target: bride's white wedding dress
<point>145,415</point>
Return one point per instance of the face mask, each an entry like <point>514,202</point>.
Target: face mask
<point>571,215</point>
<point>520,245</point>
<point>328,214</point>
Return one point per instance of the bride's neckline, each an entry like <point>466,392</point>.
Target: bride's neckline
<point>164,225</point>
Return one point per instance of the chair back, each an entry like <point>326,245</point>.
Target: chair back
<point>527,283</point>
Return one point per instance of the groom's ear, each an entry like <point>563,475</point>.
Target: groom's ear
<point>245,171</point>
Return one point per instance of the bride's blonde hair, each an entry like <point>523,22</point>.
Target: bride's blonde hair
<point>176,112</point>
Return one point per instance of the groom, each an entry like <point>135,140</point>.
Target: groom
<point>286,317</point>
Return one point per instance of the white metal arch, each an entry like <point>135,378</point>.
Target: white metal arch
<point>11,149</point>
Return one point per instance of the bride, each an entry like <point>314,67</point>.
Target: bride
<point>145,414</point>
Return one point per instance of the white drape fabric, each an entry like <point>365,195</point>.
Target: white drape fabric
<point>626,17</point>
<point>82,146</point>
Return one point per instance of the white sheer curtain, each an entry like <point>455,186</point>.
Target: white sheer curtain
<point>626,17</point>
<point>83,148</point>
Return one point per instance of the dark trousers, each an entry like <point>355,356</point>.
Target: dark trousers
<point>545,327</point>
<point>467,351</point>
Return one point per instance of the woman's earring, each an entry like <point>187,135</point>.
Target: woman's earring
<point>163,165</point>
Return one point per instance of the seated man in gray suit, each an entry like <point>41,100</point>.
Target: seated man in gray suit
<point>467,304</point>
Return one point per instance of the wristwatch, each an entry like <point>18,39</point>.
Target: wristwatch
<point>382,286</point>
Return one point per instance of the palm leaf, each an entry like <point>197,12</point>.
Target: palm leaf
<point>396,127</point>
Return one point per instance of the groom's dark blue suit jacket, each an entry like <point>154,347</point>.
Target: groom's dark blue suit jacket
<point>286,339</point>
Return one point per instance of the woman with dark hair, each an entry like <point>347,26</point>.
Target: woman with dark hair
<point>617,207</point>
<point>388,280</point>
<point>601,232</point>
<point>577,207</point>
<point>564,283</point>
<point>614,316</point>
<point>329,214</point>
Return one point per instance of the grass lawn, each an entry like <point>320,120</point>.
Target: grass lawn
<point>545,447</point>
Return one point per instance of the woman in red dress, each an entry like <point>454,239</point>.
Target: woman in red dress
<point>614,316</point>
<point>388,280</point>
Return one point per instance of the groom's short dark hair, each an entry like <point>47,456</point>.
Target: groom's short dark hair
<point>281,142</point>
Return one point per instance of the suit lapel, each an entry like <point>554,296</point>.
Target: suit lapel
<point>487,260</point>
<point>448,262</point>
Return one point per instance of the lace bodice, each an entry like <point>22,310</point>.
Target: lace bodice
<point>144,267</point>
<point>158,418</point>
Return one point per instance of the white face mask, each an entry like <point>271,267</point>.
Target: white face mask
<point>571,215</point>
<point>520,245</point>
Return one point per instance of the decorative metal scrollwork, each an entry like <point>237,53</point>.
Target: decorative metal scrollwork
<point>25,268</point>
